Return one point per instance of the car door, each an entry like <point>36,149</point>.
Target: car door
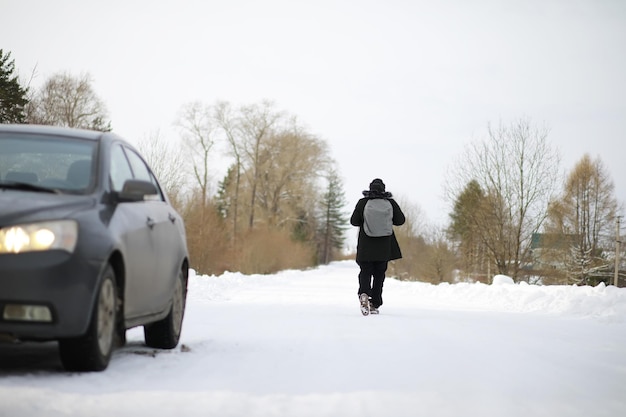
<point>131,223</point>
<point>165,238</point>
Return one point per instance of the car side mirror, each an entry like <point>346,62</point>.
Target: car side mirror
<point>136,190</point>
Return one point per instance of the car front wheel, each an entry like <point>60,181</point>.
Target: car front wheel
<point>92,351</point>
<point>165,333</point>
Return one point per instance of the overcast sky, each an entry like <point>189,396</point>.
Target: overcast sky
<point>397,88</point>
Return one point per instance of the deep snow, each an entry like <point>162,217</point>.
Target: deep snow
<point>295,344</point>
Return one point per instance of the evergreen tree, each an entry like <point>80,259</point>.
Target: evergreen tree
<point>579,265</point>
<point>466,219</point>
<point>12,96</point>
<point>334,222</point>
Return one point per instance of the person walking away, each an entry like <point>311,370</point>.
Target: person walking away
<point>375,214</point>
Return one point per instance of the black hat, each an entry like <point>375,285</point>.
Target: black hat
<point>377,185</point>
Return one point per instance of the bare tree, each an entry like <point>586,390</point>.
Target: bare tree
<point>516,169</point>
<point>291,162</point>
<point>246,130</point>
<point>198,130</point>
<point>441,260</point>
<point>228,122</point>
<point>168,163</point>
<point>586,213</point>
<point>199,134</point>
<point>65,100</point>
<point>256,123</point>
<point>273,180</point>
<point>412,242</point>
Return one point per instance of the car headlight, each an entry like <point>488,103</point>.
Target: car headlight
<point>61,234</point>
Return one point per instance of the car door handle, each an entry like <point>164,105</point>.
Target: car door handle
<point>171,217</point>
<point>150,222</point>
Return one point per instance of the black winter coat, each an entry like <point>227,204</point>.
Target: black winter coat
<point>384,248</point>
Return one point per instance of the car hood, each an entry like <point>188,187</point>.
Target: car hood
<point>21,206</point>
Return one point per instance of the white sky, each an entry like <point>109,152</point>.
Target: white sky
<point>397,88</point>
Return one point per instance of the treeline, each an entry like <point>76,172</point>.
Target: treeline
<point>280,204</point>
<point>514,214</point>
<point>278,201</point>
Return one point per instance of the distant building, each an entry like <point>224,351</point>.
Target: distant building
<point>551,257</point>
<point>551,250</point>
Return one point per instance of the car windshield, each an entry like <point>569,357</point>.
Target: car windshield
<point>46,163</point>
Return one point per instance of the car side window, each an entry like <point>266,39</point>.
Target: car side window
<point>141,170</point>
<point>120,168</point>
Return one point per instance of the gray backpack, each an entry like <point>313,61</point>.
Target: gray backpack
<point>378,218</point>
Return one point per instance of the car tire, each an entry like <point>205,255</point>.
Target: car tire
<point>165,333</point>
<point>92,351</point>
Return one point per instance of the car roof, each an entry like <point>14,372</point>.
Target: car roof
<point>56,131</point>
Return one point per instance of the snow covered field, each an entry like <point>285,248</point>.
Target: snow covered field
<point>295,344</point>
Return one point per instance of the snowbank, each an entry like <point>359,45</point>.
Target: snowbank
<point>602,302</point>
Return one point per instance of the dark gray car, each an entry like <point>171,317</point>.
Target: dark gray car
<point>89,245</point>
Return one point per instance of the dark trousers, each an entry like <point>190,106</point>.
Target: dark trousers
<point>371,279</point>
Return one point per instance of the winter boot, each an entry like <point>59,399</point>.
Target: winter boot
<point>365,304</point>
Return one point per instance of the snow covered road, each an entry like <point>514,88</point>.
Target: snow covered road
<point>295,344</point>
